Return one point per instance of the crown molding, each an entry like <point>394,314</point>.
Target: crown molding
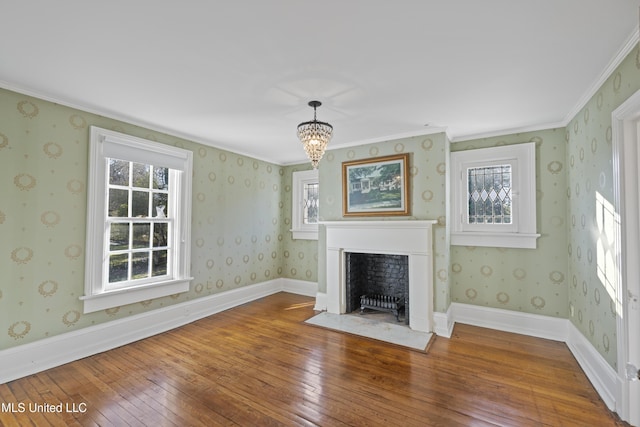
<point>431,130</point>
<point>128,120</point>
<point>504,132</point>
<point>617,59</point>
<point>615,62</point>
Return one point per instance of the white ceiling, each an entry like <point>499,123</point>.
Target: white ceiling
<point>239,74</point>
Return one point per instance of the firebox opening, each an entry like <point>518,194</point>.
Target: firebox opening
<point>383,279</point>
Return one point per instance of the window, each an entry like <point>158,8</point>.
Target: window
<point>493,197</point>
<point>305,205</point>
<point>138,220</point>
<point>489,194</point>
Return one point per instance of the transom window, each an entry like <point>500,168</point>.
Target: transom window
<point>138,220</point>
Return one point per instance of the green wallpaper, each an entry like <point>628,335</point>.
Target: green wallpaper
<point>526,280</point>
<point>238,238</point>
<point>300,257</point>
<point>427,171</point>
<point>590,172</point>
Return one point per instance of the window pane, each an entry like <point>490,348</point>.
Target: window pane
<point>119,238</point>
<point>159,263</point>
<point>139,265</point>
<point>160,178</point>
<point>141,235</point>
<point>160,234</point>
<point>118,172</point>
<point>311,202</point>
<point>489,195</point>
<point>140,175</point>
<point>140,204</point>
<point>118,203</point>
<point>159,209</point>
<point>118,268</point>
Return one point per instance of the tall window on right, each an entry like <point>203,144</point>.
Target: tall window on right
<point>493,197</point>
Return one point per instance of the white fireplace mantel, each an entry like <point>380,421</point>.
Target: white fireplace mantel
<point>412,238</point>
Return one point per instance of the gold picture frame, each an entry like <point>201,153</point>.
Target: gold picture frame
<point>377,186</point>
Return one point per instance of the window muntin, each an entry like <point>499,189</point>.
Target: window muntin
<point>138,220</point>
<point>305,204</point>
<point>489,197</point>
<point>311,203</point>
<point>139,247</point>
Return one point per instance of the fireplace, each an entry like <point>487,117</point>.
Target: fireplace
<point>378,282</point>
<point>409,239</point>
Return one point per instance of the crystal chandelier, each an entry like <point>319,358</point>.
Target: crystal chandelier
<point>315,136</point>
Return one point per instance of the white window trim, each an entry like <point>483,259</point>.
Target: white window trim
<point>105,144</point>
<point>300,230</point>
<point>522,233</point>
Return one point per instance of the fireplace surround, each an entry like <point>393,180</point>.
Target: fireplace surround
<point>412,238</point>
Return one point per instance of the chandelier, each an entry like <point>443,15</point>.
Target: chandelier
<point>315,136</point>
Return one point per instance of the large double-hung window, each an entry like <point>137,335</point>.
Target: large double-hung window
<point>138,223</point>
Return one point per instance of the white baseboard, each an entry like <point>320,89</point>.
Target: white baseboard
<point>321,302</point>
<point>443,323</point>
<point>299,287</point>
<point>602,376</point>
<point>27,359</point>
<point>534,325</point>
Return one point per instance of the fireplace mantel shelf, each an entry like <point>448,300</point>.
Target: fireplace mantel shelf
<point>379,224</point>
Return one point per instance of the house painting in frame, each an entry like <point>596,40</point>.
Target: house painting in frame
<point>376,187</point>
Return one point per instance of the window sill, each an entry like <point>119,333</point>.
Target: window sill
<point>304,234</point>
<point>495,240</point>
<point>132,295</point>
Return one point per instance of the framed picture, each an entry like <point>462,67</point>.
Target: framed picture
<point>376,187</point>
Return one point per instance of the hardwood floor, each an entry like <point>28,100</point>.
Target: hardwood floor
<point>260,365</point>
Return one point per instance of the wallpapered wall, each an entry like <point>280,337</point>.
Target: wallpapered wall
<point>238,238</point>
<point>427,172</point>
<point>590,172</point>
<point>526,280</point>
<point>300,256</point>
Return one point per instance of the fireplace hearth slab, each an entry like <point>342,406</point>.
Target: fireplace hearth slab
<point>369,328</point>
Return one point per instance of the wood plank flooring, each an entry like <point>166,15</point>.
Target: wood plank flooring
<point>260,365</point>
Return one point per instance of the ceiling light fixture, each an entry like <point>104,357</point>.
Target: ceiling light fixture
<point>315,136</point>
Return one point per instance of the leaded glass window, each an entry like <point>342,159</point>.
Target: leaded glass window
<point>311,203</point>
<point>305,204</point>
<point>489,195</point>
<point>493,196</point>
<point>138,224</point>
